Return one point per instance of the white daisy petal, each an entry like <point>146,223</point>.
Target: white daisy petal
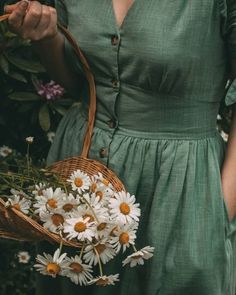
<point>105,280</point>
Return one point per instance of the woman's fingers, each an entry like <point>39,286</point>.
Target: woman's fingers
<point>16,17</point>
<point>10,8</point>
<point>47,27</point>
<point>32,20</point>
<point>33,16</point>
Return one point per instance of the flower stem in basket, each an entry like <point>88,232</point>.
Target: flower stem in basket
<point>82,251</point>
<point>90,207</point>
<point>134,248</point>
<point>99,261</point>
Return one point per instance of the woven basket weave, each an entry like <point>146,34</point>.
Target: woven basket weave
<point>15,224</point>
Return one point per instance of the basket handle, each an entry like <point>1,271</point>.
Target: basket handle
<point>92,88</point>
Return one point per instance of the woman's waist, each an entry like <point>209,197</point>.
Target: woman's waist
<point>153,128</point>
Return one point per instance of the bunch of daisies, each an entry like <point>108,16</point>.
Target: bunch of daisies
<point>87,210</point>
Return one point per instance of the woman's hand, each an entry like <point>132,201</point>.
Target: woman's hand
<point>32,20</point>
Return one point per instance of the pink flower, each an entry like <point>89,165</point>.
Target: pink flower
<point>51,90</point>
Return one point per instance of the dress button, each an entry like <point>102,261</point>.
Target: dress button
<point>111,124</point>
<point>114,40</point>
<point>103,152</point>
<point>115,83</point>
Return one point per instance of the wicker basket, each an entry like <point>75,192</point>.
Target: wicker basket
<point>16,225</point>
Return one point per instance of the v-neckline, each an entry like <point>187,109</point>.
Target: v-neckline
<point>129,11</point>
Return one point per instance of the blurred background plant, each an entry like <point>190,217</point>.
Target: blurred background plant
<point>31,104</point>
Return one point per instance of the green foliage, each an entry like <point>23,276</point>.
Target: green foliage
<point>15,277</point>
<point>23,112</point>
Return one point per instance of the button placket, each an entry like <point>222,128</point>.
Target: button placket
<point>115,40</point>
<point>112,122</point>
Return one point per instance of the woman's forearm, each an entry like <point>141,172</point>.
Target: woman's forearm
<point>52,56</point>
<point>228,172</point>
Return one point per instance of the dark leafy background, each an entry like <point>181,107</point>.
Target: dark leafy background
<point>23,112</point>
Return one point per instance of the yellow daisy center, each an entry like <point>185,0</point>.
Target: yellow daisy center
<point>53,268</point>
<point>78,182</point>
<point>80,227</point>
<point>91,218</point>
<point>94,187</point>
<point>17,206</point>
<point>105,182</point>
<point>101,226</point>
<point>100,248</point>
<point>76,267</point>
<point>102,282</point>
<point>57,219</point>
<point>124,208</point>
<point>68,207</point>
<point>99,194</point>
<point>52,203</point>
<point>124,238</point>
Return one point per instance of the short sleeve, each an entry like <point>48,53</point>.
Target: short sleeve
<point>228,12</point>
<point>70,55</point>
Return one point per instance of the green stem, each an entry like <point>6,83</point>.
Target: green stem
<point>134,248</point>
<point>28,158</point>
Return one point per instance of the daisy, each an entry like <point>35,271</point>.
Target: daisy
<point>105,280</point>
<point>69,203</point>
<point>102,250</point>
<point>96,212</point>
<point>123,208</point>
<point>80,181</point>
<point>79,228</point>
<point>100,190</point>
<point>123,237</point>
<point>51,265</point>
<point>19,203</point>
<point>138,257</point>
<point>5,151</point>
<point>104,229</point>
<point>99,177</point>
<point>53,220</point>
<point>23,257</point>
<point>78,272</point>
<point>20,193</point>
<point>49,200</point>
<point>29,139</point>
<point>38,191</point>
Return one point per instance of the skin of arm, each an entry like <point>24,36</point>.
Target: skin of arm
<point>228,172</point>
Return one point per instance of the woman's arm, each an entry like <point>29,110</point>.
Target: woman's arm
<point>38,23</point>
<point>228,173</point>
<point>52,55</point>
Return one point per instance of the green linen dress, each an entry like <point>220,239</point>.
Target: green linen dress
<point>160,79</point>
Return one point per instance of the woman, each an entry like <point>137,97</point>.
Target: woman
<point>160,69</point>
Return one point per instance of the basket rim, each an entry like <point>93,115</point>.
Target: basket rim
<point>38,227</point>
<point>53,237</point>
